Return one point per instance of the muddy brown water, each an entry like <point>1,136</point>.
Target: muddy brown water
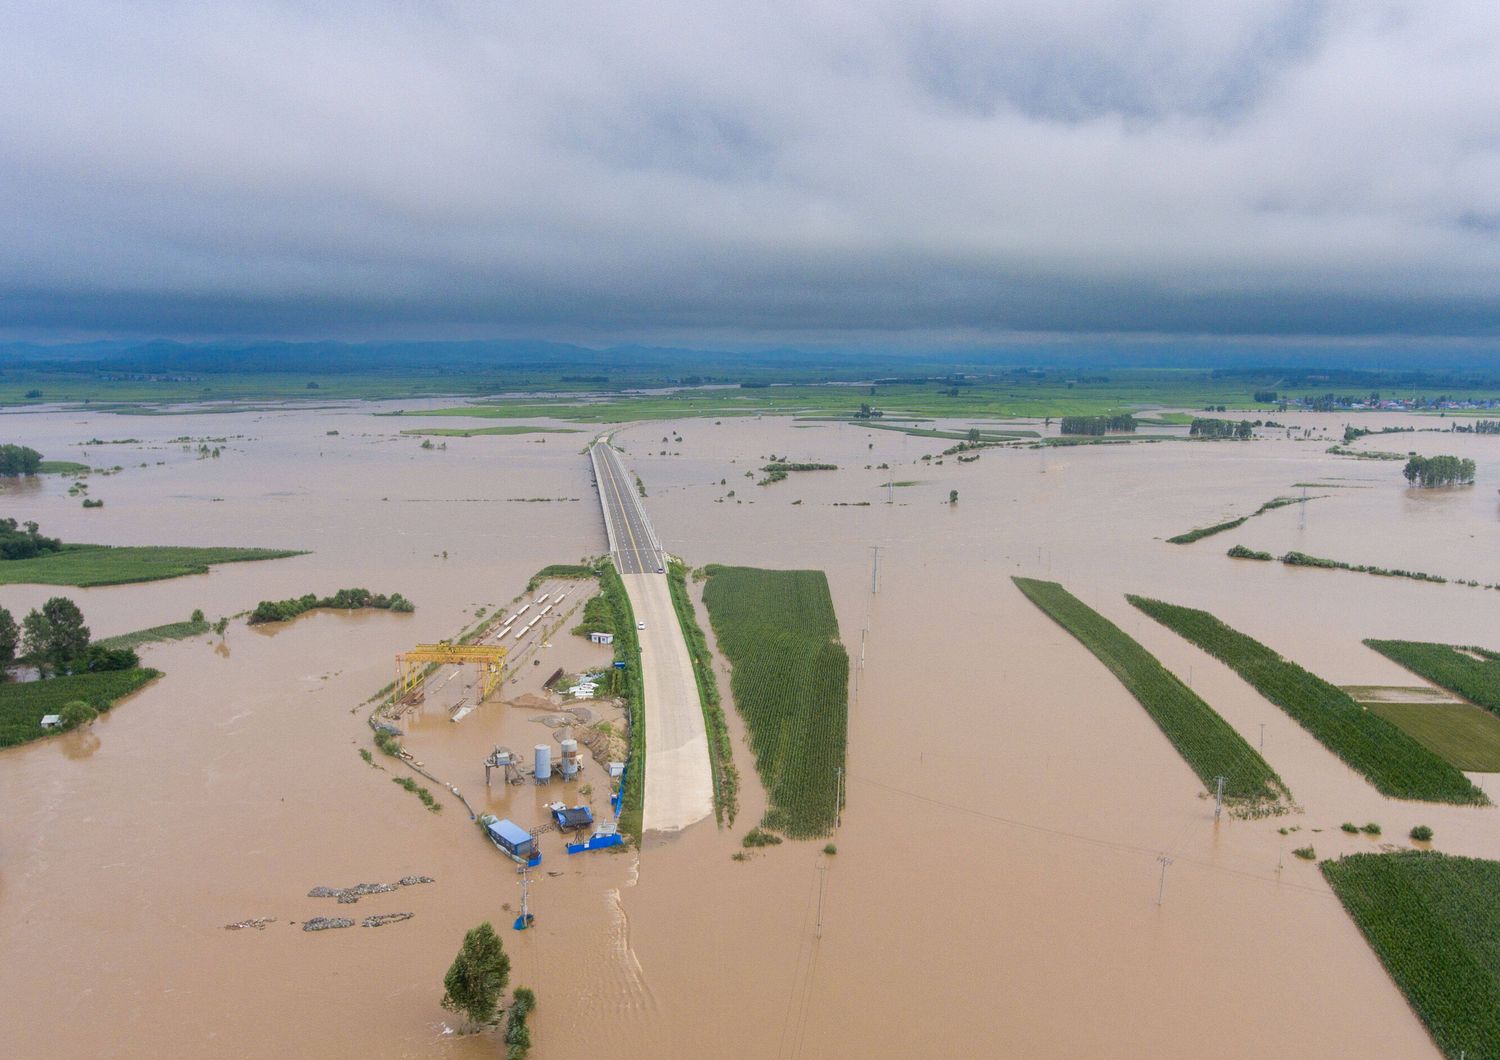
<point>995,886</point>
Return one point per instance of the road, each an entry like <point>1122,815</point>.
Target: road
<point>631,538</point>
<point>679,780</point>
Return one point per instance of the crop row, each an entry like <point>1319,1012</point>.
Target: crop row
<point>1391,760</point>
<point>1476,679</point>
<point>790,682</point>
<point>24,703</point>
<point>1208,743</point>
<point>1434,921</point>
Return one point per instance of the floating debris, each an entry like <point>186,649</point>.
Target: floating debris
<point>412,881</point>
<point>323,923</point>
<point>258,923</point>
<point>382,919</point>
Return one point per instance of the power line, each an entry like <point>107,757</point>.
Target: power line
<point>1109,844</point>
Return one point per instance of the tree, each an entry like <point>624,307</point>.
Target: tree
<point>77,713</point>
<point>19,460</point>
<point>56,635</point>
<point>10,637</point>
<point>478,975</point>
<point>973,434</point>
<point>953,496</point>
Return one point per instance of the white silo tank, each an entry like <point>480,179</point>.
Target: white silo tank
<point>569,759</point>
<point>543,763</point>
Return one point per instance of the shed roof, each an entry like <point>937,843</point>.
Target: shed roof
<point>509,831</point>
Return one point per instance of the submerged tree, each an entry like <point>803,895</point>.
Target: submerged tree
<point>478,975</point>
<point>56,635</point>
<point>1429,471</point>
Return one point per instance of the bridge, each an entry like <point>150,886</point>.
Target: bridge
<point>679,788</point>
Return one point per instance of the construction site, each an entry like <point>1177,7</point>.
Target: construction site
<point>514,719</point>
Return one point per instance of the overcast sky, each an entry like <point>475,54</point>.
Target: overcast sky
<point>950,171</point>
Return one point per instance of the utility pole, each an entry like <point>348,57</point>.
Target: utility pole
<point>1161,887</point>
<point>875,571</point>
<point>1302,515</point>
<point>822,883</point>
<point>1262,736</point>
<point>1219,796</point>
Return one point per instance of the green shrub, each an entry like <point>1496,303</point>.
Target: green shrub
<point>1422,834</point>
<point>1305,853</point>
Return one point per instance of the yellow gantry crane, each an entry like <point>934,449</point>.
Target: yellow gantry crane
<point>410,665</point>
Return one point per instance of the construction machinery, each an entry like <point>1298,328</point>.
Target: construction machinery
<point>412,666</point>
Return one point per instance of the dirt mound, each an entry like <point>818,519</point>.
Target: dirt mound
<point>532,701</point>
<point>604,743</point>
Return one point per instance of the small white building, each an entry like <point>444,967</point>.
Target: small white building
<point>52,721</point>
<point>602,638</point>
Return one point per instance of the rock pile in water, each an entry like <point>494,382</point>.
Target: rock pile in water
<point>382,919</point>
<point>350,895</point>
<point>323,923</point>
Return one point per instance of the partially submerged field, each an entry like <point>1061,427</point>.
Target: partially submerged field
<point>24,703</point>
<point>1391,760</point>
<point>1473,673</point>
<point>1434,921</point>
<point>90,565</point>
<point>790,682</point>
<point>1208,743</point>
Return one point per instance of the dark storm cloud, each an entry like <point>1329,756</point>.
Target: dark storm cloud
<point>751,170</point>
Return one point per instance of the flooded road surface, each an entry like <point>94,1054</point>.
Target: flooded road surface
<point>994,887</point>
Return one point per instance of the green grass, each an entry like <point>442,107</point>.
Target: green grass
<point>170,631</point>
<point>1434,922</point>
<point>61,467</point>
<point>578,571</point>
<point>1219,528</point>
<point>791,684</point>
<point>1208,744</point>
<point>720,748</point>
<point>1395,763</point>
<point>1207,531</point>
<point>627,684</point>
<point>1462,733</point>
<point>470,432</point>
<point>1477,680</point>
<point>985,434</point>
<point>23,703</point>
<point>88,565</point>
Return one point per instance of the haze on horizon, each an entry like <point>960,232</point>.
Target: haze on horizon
<point>927,173</point>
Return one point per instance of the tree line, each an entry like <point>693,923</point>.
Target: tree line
<point>1480,427</point>
<point>1426,471</point>
<point>343,600</point>
<point>1213,429</point>
<point>19,460</point>
<point>24,540</point>
<point>1097,425</point>
<point>55,640</point>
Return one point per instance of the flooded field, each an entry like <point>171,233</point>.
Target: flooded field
<point>995,887</point>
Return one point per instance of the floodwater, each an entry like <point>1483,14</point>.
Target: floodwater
<point>995,887</point>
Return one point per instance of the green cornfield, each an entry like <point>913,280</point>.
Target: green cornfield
<point>1456,669</point>
<point>791,684</point>
<point>1434,921</point>
<point>1392,761</point>
<point>1208,743</point>
<point>23,703</point>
